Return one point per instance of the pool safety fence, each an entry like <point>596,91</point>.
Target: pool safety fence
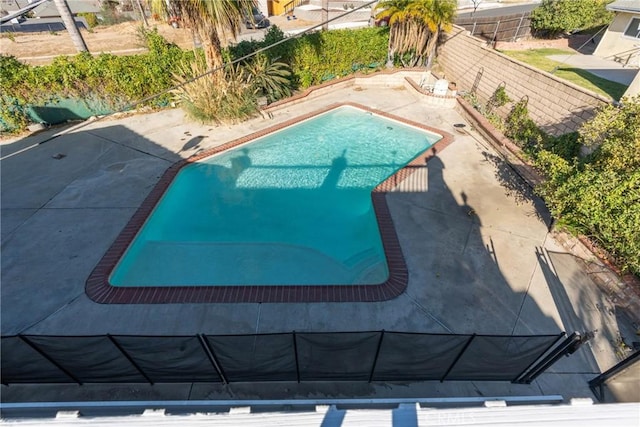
<point>378,356</point>
<point>620,382</point>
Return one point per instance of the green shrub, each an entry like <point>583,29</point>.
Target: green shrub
<point>521,129</point>
<point>499,98</point>
<point>123,80</point>
<point>211,99</point>
<point>554,17</point>
<point>279,53</point>
<point>566,146</point>
<point>91,18</point>
<point>269,79</point>
<point>318,57</point>
<point>599,195</point>
<point>112,81</point>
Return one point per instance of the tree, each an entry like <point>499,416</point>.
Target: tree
<point>212,20</point>
<point>475,3</point>
<point>325,15</point>
<point>415,27</point>
<point>69,22</point>
<point>441,19</point>
<point>554,17</point>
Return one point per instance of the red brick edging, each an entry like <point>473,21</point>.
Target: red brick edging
<point>101,291</point>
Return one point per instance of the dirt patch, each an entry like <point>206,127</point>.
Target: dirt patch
<point>41,48</point>
<point>574,42</point>
<point>121,39</point>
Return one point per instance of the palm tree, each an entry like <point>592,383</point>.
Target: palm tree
<point>67,19</point>
<point>212,21</point>
<point>441,19</point>
<point>415,27</point>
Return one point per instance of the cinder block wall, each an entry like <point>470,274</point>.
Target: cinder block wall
<point>555,105</point>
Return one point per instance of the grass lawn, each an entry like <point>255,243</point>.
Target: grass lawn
<point>538,58</point>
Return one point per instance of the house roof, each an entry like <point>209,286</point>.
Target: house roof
<point>49,9</point>
<point>632,6</point>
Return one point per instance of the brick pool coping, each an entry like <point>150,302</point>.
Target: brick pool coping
<point>101,291</point>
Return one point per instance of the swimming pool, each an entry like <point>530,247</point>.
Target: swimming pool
<point>291,209</point>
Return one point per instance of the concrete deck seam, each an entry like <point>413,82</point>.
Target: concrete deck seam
<point>466,242</point>
<point>537,384</point>
<point>511,233</point>
<point>258,317</point>
<point>129,147</point>
<point>526,292</point>
<point>8,235</point>
<point>34,324</point>
<point>65,187</point>
<point>190,392</point>
<point>428,313</point>
<point>430,209</point>
<point>53,208</point>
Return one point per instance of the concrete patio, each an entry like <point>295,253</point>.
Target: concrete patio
<point>475,239</point>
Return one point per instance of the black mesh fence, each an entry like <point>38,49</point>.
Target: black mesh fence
<point>91,359</point>
<point>498,358</point>
<point>405,356</point>
<point>170,359</point>
<point>339,356</point>
<point>256,357</point>
<point>346,356</point>
<point>20,363</point>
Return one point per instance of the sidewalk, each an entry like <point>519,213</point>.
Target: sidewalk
<point>609,70</point>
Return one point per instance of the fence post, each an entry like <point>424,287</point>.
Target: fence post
<point>571,344</point>
<point>375,360</point>
<point>560,335</point>
<point>495,33</point>
<point>46,356</point>
<point>129,358</point>
<point>458,357</point>
<point>295,352</point>
<point>603,377</point>
<point>212,358</point>
<point>515,36</point>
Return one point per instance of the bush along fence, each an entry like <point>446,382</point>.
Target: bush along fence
<point>78,87</point>
<point>338,356</point>
<point>73,88</point>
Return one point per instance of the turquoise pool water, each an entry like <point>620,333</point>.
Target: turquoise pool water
<point>291,208</point>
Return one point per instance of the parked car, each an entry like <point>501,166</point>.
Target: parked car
<point>257,20</point>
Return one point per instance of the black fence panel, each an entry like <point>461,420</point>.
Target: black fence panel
<point>20,363</point>
<point>90,359</point>
<point>339,356</point>
<point>255,357</point>
<point>346,356</point>
<point>499,358</point>
<point>170,359</point>
<point>412,357</point>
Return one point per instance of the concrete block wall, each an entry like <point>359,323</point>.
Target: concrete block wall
<point>556,106</point>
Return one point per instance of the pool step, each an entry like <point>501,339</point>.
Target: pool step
<point>367,266</point>
<point>361,257</point>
